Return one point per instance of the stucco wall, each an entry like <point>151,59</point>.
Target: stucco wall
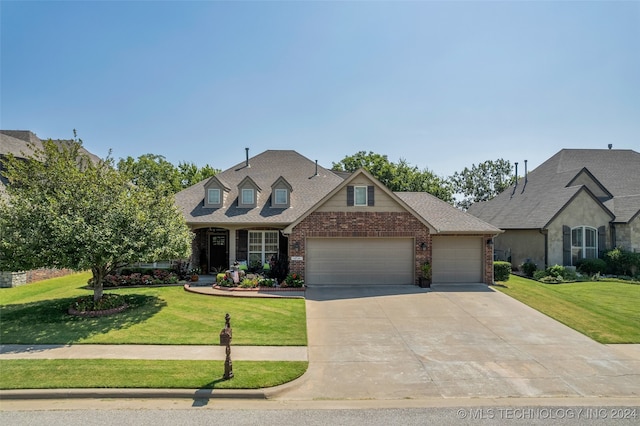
<point>582,211</point>
<point>521,245</point>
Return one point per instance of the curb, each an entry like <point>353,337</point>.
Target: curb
<point>131,393</point>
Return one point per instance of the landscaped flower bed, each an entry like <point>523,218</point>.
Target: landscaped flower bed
<point>108,304</point>
<point>129,278</point>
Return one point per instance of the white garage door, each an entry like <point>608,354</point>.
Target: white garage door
<point>359,261</point>
<point>457,260</point>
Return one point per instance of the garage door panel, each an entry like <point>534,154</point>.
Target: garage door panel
<point>457,259</point>
<point>359,261</point>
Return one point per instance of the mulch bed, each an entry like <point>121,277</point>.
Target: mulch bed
<point>102,313</point>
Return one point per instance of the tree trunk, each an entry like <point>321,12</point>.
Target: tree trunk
<point>98,276</point>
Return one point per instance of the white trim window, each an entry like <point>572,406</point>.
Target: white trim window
<point>213,196</point>
<point>248,196</point>
<point>584,243</point>
<point>281,196</point>
<point>360,195</point>
<point>263,245</point>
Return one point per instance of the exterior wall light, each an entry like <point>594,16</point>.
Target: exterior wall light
<point>423,246</point>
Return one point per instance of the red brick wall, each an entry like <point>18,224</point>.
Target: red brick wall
<point>358,224</point>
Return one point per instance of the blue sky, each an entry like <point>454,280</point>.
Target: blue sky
<point>441,84</point>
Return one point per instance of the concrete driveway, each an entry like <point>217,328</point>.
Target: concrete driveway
<point>451,341</point>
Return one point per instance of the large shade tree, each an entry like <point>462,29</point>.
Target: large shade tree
<point>65,211</point>
<point>482,182</point>
<point>154,171</point>
<point>401,177</point>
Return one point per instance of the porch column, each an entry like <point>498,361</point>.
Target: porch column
<point>232,246</point>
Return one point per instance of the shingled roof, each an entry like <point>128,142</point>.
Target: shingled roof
<point>534,201</point>
<point>308,187</point>
<point>20,143</point>
<point>445,218</point>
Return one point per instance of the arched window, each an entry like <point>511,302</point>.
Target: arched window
<point>584,243</point>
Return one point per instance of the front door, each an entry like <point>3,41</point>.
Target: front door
<point>218,251</point>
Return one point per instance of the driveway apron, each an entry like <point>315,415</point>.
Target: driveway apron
<point>451,341</point>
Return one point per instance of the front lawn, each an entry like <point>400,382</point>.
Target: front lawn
<point>36,314</point>
<point>120,373</point>
<point>608,312</point>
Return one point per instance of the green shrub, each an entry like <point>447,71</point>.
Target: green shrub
<point>555,274</point>
<point>501,271</point>
<point>591,266</point>
<point>622,262</point>
<point>529,268</point>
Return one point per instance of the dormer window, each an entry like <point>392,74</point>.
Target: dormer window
<point>248,193</point>
<point>248,196</point>
<point>213,196</point>
<point>214,193</point>
<point>281,194</point>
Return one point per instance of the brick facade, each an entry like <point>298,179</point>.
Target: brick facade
<point>359,224</point>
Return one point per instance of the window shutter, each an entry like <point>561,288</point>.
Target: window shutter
<point>349,195</point>
<point>566,245</point>
<point>370,193</point>
<point>602,241</point>
<point>242,245</point>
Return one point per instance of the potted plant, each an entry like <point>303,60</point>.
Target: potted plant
<point>195,272</point>
<point>425,279</point>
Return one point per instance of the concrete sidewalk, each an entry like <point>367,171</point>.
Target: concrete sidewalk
<point>164,352</point>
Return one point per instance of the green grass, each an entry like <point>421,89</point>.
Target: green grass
<point>608,312</point>
<point>117,373</point>
<point>37,314</point>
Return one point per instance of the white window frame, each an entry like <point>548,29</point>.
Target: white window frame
<point>248,192</point>
<point>278,194</point>
<point>262,245</point>
<point>579,248</point>
<point>358,191</point>
<point>211,191</point>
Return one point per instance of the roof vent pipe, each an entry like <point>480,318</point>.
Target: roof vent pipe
<point>516,184</point>
<point>316,168</point>
<point>610,145</point>
<point>247,154</point>
<point>526,177</point>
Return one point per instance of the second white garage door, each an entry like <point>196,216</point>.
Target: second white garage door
<point>457,260</point>
<point>359,261</point>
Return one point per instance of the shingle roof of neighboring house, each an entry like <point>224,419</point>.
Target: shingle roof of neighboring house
<point>17,143</point>
<point>265,169</point>
<point>533,202</point>
<point>445,218</point>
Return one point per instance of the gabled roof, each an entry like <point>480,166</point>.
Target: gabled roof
<point>535,200</point>
<point>345,183</point>
<point>445,218</point>
<point>264,169</point>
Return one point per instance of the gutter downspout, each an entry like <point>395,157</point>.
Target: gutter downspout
<point>545,232</point>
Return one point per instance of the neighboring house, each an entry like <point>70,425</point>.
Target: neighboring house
<point>20,143</point>
<point>576,205</point>
<point>333,228</point>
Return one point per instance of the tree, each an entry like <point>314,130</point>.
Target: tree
<point>190,174</point>
<point>155,172</point>
<point>65,211</point>
<point>401,177</point>
<point>152,171</point>
<point>482,182</point>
